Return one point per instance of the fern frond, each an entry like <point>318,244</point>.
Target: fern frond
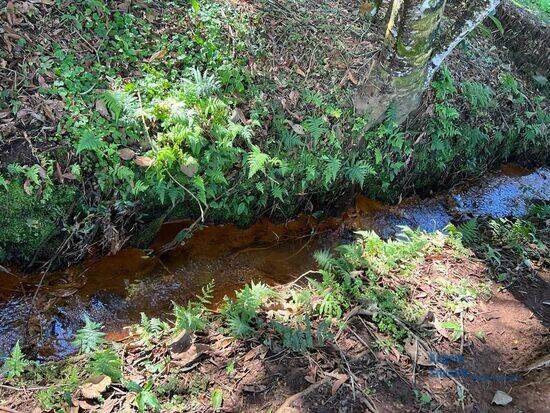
<point>256,161</point>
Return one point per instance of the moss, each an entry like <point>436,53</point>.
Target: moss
<point>29,222</point>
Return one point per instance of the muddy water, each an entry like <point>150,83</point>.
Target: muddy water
<point>116,289</point>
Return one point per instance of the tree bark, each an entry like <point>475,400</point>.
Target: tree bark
<point>408,61</point>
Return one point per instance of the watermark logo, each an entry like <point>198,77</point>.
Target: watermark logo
<point>455,362</point>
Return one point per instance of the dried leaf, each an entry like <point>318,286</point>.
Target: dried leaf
<point>70,176</point>
<point>126,154</point>
<point>101,108</point>
<point>94,386</point>
<point>417,352</point>
<point>42,172</point>
<point>299,71</point>
<point>238,116</point>
<point>338,383</point>
<point>299,129</point>
<point>190,169</point>
<point>352,78</point>
<point>192,354</point>
<point>181,343</point>
<point>109,405</point>
<point>27,187</point>
<point>158,55</point>
<point>144,161</point>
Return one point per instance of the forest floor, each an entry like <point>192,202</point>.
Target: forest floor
<point>427,323</point>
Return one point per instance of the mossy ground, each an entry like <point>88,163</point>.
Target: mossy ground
<point>29,222</point>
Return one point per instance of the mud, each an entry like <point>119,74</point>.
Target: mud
<point>115,289</point>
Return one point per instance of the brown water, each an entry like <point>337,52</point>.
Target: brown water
<point>116,289</point>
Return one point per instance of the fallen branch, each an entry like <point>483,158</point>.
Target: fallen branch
<point>286,407</point>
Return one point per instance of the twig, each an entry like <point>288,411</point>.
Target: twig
<point>189,192</point>
<point>462,332</point>
<point>290,284</point>
<point>286,407</point>
<point>8,410</point>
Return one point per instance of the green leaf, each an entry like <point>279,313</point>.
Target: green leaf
<point>89,141</point>
<point>15,364</point>
<point>106,362</point>
<point>195,5</point>
<point>256,161</point>
<point>147,399</point>
<point>216,399</point>
<point>89,337</point>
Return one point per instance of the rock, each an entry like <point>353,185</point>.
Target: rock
<point>501,399</point>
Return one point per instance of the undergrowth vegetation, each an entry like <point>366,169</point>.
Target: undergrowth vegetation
<point>163,116</point>
<point>378,279</point>
<point>370,273</point>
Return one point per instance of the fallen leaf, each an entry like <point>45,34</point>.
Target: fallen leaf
<point>294,97</point>
<point>158,55</point>
<point>109,405</point>
<point>27,187</point>
<point>299,71</point>
<point>338,383</point>
<point>94,386</point>
<point>260,351</point>
<point>238,116</point>
<point>144,161</point>
<point>101,108</point>
<point>180,343</point>
<point>352,78</point>
<point>190,169</point>
<point>309,379</point>
<point>299,129</point>
<point>501,399</point>
<point>192,354</point>
<point>419,353</point>
<point>223,342</point>
<point>126,154</point>
<point>42,172</point>
<point>70,176</point>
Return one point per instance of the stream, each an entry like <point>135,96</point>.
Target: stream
<point>115,289</point>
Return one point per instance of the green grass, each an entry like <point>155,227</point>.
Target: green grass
<point>540,7</point>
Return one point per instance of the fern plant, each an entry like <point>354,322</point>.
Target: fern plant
<point>106,362</point>
<point>480,97</point>
<point>16,363</point>
<point>301,337</point>
<point>469,231</point>
<point>191,317</point>
<point>90,337</point>
<point>240,312</point>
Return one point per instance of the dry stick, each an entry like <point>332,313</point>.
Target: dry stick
<point>286,406</point>
<point>8,410</point>
<point>189,192</point>
<point>422,341</point>
<point>290,284</point>
<point>415,361</point>
<point>462,332</point>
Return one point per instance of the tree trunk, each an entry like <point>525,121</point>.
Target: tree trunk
<point>407,61</point>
